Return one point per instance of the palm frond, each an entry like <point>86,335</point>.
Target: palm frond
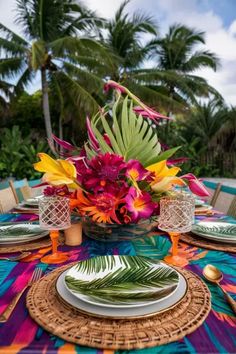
<point>127,278</point>
<point>81,98</point>
<point>12,36</point>
<point>25,79</point>
<point>201,59</point>
<point>11,67</point>
<point>11,48</point>
<point>132,137</point>
<point>88,80</point>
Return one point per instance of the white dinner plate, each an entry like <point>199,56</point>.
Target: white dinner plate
<point>32,202</point>
<point>216,231</point>
<point>20,233</point>
<point>25,207</point>
<point>119,313</point>
<point>102,281</point>
<point>204,207</point>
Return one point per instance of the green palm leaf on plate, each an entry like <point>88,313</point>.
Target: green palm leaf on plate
<point>216,228</point>
<point>122,278</point>
<point>19,230</point>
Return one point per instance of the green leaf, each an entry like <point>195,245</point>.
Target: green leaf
<point>131,136</point>
<point>165,155</point>
<point>122,278</point>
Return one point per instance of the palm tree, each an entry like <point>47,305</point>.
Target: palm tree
<point>177,59</point>
<point>205,121</point>
<point>125,40</point>
<point>53,35</point>
<point>207,136</point>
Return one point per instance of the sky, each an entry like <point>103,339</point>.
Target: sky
<point>216,17</point>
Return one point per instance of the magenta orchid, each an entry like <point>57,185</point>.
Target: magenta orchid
<point>60,144</point>
<point>195,185</point>
<point>150,113</point>
<point>142,107</point>
<point>135,171</point>
<point>92,139</point>
<point>139,205</point>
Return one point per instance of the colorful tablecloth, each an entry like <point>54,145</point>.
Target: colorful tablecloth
<point>22,335</point>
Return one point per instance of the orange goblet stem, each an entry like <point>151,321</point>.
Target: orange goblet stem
<point>174,236</point>
<point>174,259</point>
<point>54,235</point>
<point>56,257</point>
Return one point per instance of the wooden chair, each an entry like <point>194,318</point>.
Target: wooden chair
<point>214,190</point>
<point>225,200</point>
<point>21,189</point>
<point>7,199</point>
<point>232,208</point>
<point>26,192</point>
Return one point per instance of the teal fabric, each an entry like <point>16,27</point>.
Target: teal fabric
<point>226,189</point>
<point>209,184</point>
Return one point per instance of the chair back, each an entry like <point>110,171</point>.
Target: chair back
<point>17,188</point>
<point>232,208</point>
<point>7,199</point>
<point>213,189</point>
<point>26,192</point>
<point>225,199</point>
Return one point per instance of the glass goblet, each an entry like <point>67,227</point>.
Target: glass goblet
<point>54,215</point>
<point>176,216</point>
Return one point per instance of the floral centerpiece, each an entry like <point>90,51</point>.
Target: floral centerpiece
<point>121,173</point>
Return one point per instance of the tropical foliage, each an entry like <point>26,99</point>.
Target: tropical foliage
<point>72,52</point>
<point>17,154</point>
<point>53,41</point>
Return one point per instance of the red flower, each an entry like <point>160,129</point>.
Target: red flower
<point>103,170</point>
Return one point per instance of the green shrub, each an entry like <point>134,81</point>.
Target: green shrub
<point>18,154</point>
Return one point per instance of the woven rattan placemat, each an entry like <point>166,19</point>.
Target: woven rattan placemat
<point>68,323</point>
<point>209,244</point>
<point>34,245</point>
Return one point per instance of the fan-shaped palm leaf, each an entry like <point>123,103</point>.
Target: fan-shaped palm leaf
<point>131,137</point>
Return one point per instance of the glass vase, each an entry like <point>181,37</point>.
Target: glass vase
<point>117,232</point>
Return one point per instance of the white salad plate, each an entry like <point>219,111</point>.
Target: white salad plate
<point>121,313</point>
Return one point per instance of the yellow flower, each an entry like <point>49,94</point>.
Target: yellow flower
<point>58,172</point>
<point>164,177</point>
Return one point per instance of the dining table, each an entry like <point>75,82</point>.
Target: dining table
<point>21,334</point>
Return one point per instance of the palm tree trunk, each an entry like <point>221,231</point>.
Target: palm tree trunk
<point>169,111</point>
<point>46,111</point>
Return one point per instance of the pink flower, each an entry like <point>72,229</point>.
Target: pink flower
<point>112,84</point>
<point>140,205</point>
<point>53,191</point>
<point>59,143</point>
<point>135,171</point>
<point>141,108</point>
<point>149,113</point>
<point>92,138</point>
<point>195,185</point>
